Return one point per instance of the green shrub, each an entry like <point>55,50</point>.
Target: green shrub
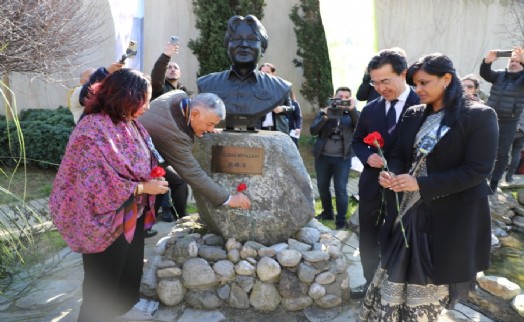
<point>45,136</point>
<point>312,52</point>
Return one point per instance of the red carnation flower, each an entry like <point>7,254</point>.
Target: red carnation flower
<point>157,172</point>
<point>374,139</point>
<point>241,187</point>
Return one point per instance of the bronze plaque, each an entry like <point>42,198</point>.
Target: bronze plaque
<point>232,159</point>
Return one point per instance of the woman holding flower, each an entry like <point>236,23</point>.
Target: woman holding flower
<point>103,194</point>
<point>445,153</point>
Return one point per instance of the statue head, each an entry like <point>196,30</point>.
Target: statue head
<point>246,39</point>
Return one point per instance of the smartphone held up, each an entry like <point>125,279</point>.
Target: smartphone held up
<point>504,53</point>
<point>174,40</point>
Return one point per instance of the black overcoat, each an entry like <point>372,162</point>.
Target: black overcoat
<point>455,190</point>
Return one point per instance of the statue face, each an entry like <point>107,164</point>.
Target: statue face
<point>244,46</point>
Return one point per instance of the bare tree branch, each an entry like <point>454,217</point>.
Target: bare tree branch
<point>514,25</point>
<point>46,37</point>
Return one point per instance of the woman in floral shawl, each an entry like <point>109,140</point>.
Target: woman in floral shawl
<point>103,194</point>
<point>432,249</point>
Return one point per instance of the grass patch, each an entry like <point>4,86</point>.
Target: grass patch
<point>352,207</point>
<point>33,183</point>
<point>191,208</point>
<point>305,148</point>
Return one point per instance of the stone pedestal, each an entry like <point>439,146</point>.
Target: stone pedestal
<point>206,272</point>
<point>281,196</point>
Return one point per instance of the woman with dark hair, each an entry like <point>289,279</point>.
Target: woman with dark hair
<point>103,195</point>
<point>440,238</point>
<point>471,85</point>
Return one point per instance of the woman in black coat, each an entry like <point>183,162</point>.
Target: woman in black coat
<point>441,236</point>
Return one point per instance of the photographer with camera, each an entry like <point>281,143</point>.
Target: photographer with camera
<point>334,126</point>
<point>507,99</point>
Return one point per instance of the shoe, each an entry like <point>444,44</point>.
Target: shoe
<point>167,214</point>
<point>509,179</point>
<point>150,233</point>
<point>144,310</point>
<point>341,226</point>
<point>353,227</point>
<point>493,184</point>
<point>359,291</point>
<point>326,216</point>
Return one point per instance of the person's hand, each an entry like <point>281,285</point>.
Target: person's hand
<point>323,110</point>
<point>472,97</point>
<point>156,186</point>
<point>520,53</point>
<point>375,161</point>
<point>384,178</point>
<point>403,182</point>
<point>114,67</point>
<point>171,49</point>
<point>297,131</point>
<point>278,109</point>
<point>352,104</point>
<point>239,201</point>
<point>490,57</point>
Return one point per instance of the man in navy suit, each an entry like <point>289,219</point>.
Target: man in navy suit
<point>387,71</point>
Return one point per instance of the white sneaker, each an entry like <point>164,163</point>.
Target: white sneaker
<point>144,310</point>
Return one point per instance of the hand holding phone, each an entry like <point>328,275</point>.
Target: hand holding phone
<point>174,40</point>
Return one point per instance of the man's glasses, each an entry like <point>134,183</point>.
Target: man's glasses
<point>250,40</point>
<point>469,86</point>
<point>383,82</point>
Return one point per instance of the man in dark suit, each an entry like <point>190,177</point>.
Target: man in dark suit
<point>387,71</point>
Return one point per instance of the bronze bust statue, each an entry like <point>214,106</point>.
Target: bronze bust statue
<point>247,93</point>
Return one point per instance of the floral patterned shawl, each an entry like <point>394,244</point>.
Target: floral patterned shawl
<point>93,189</point>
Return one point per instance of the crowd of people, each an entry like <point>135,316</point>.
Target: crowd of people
<point>433,147</point>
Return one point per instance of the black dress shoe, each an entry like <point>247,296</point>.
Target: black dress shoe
<point>325,215</point>
<point>359,291</point>
<point>150,233</point>
<point>167,214</point>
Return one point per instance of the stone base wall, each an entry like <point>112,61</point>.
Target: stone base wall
<point>207,272</point>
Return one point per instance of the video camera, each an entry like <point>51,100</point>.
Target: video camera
<point>336,106</point>
<point>338,102</point>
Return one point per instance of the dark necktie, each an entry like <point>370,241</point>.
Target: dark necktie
<point>391,117</point>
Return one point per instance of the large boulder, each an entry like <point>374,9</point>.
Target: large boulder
<point>281,197</point>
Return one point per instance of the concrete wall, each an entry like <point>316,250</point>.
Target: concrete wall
<point>465,30</point>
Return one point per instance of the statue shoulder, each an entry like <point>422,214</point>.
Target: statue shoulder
<point>212,78</point>
<point>275,82</point>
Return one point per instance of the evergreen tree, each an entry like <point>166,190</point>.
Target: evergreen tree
<point>211,20</point>
<point>312,52</point>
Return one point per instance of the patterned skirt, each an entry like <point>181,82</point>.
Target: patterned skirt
<point>402,289</point>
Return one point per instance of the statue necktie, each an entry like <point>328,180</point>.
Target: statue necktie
<point>391,117</point>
